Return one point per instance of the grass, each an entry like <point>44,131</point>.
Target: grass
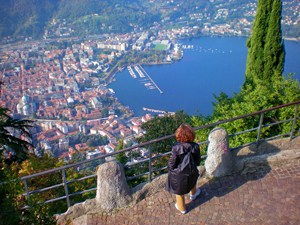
<point>160,47</point>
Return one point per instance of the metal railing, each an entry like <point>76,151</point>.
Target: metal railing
<point>290,120</point>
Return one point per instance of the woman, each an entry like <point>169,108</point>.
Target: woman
<point>182,165</point>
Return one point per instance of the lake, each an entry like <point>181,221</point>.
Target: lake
<point>210,65</point>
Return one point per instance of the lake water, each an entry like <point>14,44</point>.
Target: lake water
<point>210,65</point>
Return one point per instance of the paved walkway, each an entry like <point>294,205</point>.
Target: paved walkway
<point>270,196</point>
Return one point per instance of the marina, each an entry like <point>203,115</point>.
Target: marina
<point>139,71</point>
<point>130,70</point>
<point>146,79</point>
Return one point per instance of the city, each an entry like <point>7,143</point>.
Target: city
<point>60,82</point>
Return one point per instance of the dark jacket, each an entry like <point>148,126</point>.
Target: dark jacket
<point>178,182</point>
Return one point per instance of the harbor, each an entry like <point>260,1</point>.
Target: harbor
<point>148,82</point>
<point>191,84</point>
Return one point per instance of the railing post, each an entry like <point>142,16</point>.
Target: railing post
<point>294,122</point>
<point>27,191</point>
<point>259,127</point>
<point>66,186</point>
<point>150,163</point>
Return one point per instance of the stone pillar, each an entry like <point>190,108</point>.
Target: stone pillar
<point>112,188</point>
<point>219,160</point>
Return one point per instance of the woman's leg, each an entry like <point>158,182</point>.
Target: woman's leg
<point>193,191</point>
<point>180,202</point>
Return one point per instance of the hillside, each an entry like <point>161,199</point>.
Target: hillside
<point>25,17</point>
<point>38,18</point>
<point>32,17</point>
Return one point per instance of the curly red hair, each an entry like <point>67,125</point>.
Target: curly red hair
<point>185,133</point>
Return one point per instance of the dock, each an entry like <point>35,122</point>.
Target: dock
<point>150,84</point>
<point>144,72</point>
<point>131,72</point>
<point>157,111</point>
<point>139,71</point>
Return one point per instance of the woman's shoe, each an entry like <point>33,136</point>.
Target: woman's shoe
<point>182,211</point>
<point>194,196</point>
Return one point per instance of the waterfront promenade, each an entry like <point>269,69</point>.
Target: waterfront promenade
<point>266,196</point>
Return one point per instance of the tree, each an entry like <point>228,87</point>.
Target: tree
<point>280,92</point>
<point>163,126</point>
<point>11,192</point>
<point>265,86</point>
<point>121,157</point>
<point>14,136</point>
<point>104,112</point>
<point>274,47</point>
<point>265,59</point>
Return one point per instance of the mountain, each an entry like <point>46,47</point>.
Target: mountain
<point>25,17</point>
<point>32,17</point>
<point>35,18</point>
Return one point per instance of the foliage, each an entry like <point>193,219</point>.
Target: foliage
<point>143,57</point>
<point>136,170</point>
<point>201,134</point>
<point>121,157</point>
<point>163,126</point>
<point>25,18</point>
<point>91,140</point>
<point>281,91</point>
<point>274,46</point>
<point>73,174</point>
<point>104,112</point>
<point>21,18</point>
<point>11,191</point>
<point>265,59</point>
<point>14,135</point>
<point>34,165</point>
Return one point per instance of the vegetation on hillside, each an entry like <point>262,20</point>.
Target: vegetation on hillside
<point>15,138</point>
<point>17,161</point>
<point>25,18</point>
<point>31,18</point>
<point>15,143</point>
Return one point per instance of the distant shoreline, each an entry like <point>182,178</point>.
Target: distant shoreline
<point>13,45</point>
<point>116,70</point>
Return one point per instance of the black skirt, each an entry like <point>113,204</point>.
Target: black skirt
<point>181,184</point>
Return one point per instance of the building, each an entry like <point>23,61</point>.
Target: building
<point>91,154</point>
<point>63,127</point>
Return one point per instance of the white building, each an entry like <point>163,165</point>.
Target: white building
<point>92,154</point>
